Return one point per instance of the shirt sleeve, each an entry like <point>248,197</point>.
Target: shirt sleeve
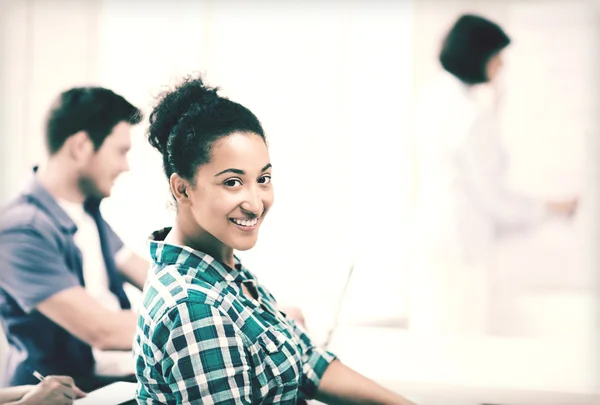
<point>203,357</point>
<point>315,361</point>
<point>117,247</point>
<point>481,166</point>
<point>33,266</point>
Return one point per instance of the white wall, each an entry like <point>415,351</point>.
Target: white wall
<point>552,69</point>
<point>47,46</point>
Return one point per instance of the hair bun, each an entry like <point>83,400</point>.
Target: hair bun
<point>172,105</point>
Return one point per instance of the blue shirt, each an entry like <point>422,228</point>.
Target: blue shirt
<point>39,258</point>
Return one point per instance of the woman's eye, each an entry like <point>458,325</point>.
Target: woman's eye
<point>233,183</point>
<point>264,180</point>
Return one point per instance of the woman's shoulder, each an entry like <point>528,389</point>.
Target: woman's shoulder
<point>172,286</point>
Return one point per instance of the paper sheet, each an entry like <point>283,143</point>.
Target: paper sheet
<point>113,394</point>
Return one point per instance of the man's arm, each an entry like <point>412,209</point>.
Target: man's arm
<point>35,274</point>
<point>296,314</point>
<point>133,267</point>
<point>84,317</point>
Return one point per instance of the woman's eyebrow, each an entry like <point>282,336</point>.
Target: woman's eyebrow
<point>231,170</point>
<point>241,172</point>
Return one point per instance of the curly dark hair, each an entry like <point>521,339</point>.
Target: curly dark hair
<point>188,119</point>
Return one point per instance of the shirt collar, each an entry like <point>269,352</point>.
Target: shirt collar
<point>36,191</point>
<point>193,260</point>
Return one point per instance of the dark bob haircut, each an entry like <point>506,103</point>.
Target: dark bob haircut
<point>469,45</point>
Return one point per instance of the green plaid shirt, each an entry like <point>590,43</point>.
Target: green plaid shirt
<point>201,340</point>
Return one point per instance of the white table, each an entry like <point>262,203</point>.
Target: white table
<point>474,371</point>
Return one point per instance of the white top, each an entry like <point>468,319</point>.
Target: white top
<point>96,281</point>
<point>464,205</point>
<point>464,202</point>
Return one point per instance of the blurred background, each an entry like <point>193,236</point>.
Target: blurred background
<point>335,84</point>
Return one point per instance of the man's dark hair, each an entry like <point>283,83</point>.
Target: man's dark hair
<point>468,47</point>
<point>95,110</point>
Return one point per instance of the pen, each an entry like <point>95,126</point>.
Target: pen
<point>78,392</point>
<point>38,376</point>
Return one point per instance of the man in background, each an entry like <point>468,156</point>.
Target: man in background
<point>62,303</point>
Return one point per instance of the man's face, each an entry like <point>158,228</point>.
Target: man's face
<point>98,174</point>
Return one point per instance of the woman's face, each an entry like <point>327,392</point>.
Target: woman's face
<point>494,66</point>
<point>233,192</point>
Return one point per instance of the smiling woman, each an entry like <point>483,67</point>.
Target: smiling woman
<point>207,331</point>
<point>218,166</point>
<point>221,209</point>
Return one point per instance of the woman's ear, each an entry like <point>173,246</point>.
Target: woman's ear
<point>179,188</point>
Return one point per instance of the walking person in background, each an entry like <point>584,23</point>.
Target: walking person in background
<point>464,202</point>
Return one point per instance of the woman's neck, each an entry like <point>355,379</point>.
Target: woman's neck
<point>186,232</point>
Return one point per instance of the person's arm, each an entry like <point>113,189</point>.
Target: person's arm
<point>294,313</point>
<point>327,380</point>
<point>54,390</point>
<point>36,276</point>
<point>132,267</point>
<point>482,172</point>
<point>216,371</point>
<point>342,385</point>
<point>87,319</point>
<point>12,394</point>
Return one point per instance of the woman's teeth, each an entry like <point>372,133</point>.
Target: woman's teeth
<point>245,222</point>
